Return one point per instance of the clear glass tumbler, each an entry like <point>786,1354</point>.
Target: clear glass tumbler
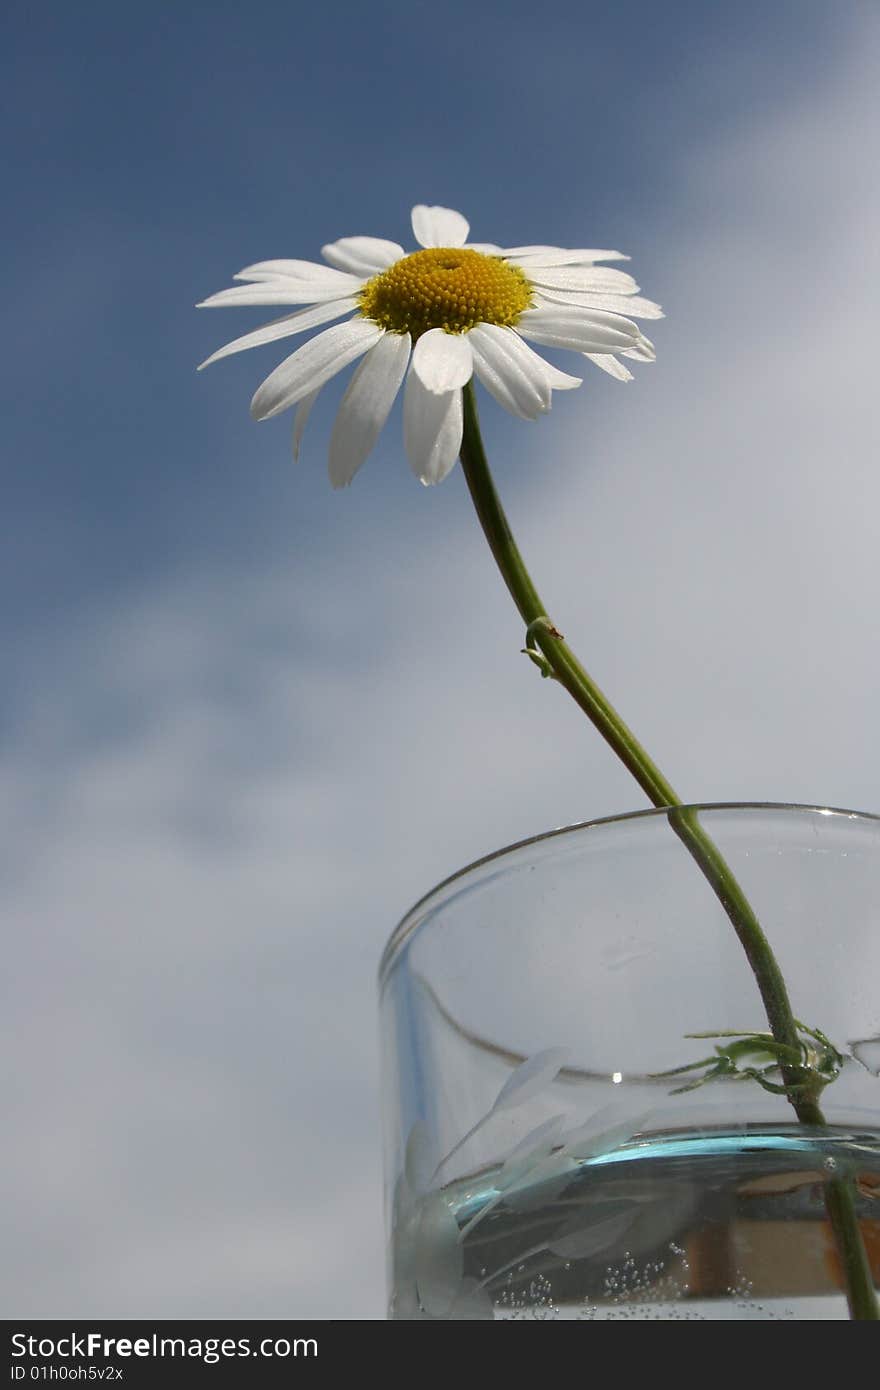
<point>559,1143</point>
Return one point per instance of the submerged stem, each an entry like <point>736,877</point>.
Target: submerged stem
<point>839,1195</point>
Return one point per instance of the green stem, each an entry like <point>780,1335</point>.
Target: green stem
<point>567,670</point>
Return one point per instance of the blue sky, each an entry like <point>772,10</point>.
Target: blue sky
<point>247,720</point>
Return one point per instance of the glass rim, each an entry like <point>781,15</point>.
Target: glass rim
<point>408,922</point>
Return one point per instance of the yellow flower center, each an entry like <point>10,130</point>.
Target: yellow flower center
<point>448,288</point>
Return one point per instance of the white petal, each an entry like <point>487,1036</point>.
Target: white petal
<point>609,363</point>
<point>632,306</point>
<point>642,351</point>
<point>559,381</point>
<point>500,373</point>
<point>285,327</point>
<point>301,271</point>
<point>557,255</point>
<point>485,248</point>
<point>281,291</point>
<point>434,226</point>
<point>531,251</point>
<point>255,274</point>
<point>584,330</point>
<point>313,364</point>
<point>587,279</point>
<point>365,406</point>
<point>303,411</point>
<point>442,361</point>
<point>432,428</point>
<point>362,255</point>
<point>517,377</point>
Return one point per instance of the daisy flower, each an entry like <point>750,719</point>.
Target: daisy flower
<point>437,317</point>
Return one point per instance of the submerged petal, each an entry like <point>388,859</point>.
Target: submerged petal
<point>365,406</point>
<point>432,428</point>
<point>436,226</point>
<point>313,364</point>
